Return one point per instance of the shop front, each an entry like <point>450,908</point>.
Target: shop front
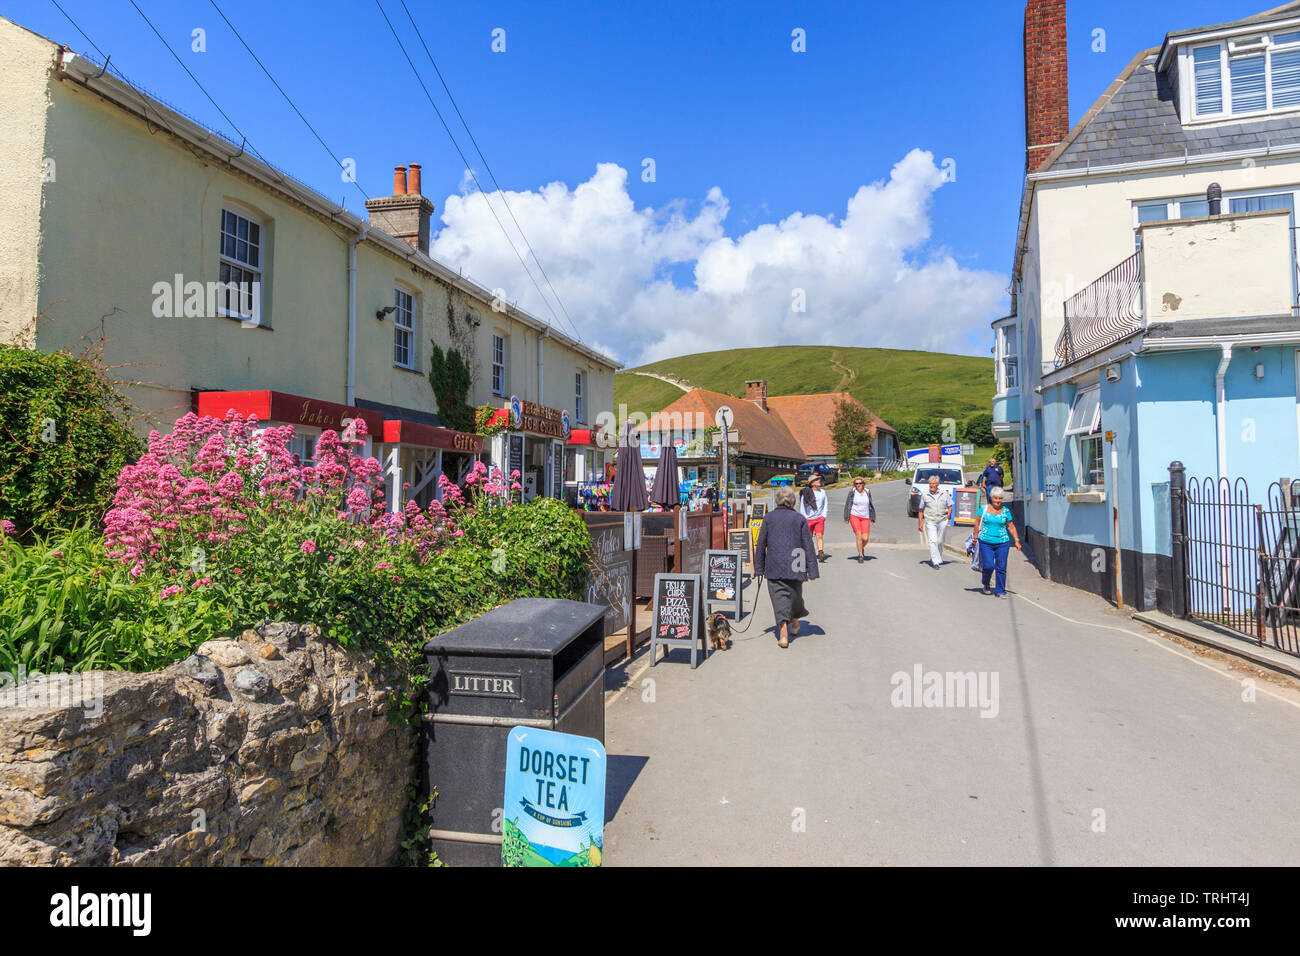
<point>533,445</point>
<point>415,454</point>
<point>308,416</point>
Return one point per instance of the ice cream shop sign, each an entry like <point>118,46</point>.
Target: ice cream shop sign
<point>536,419</point>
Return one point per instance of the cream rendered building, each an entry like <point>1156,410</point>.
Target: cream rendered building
<point>121,219</point>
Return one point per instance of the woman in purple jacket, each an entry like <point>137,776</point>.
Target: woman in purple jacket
<point>787,556</point>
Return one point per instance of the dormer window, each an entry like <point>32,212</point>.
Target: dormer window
<point>1244,76</point>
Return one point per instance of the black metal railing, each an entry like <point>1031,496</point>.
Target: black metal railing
<point>1241,560</point>
<point>1102,312</point>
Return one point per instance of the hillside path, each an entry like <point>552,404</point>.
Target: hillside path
<point>663,378</point>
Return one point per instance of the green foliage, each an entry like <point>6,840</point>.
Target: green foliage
<point>852,431</point>
<point>450,378</point>
<point>66,606</point>
<point>64,436</point>
<point>413,843</point>
<point>481,416</point>
<point>979,429</point>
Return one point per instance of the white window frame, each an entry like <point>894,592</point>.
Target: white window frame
<point>579,397</point>
<point>1002,356</point>
<point>404,326</point>
<point>249,271</point>
<point>1082,434</point>
<point>1236,48</point>
<point>499,384</point>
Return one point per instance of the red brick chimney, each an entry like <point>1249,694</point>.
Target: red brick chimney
<point>756,392</point>
<point>1047,97</point>
<point>406,214</point>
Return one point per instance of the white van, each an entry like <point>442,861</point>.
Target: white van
<point>950,477</point>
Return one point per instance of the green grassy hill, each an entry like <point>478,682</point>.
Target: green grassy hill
<point>893,383</point>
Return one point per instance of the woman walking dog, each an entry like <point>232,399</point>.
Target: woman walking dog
<point>859,512</point>
<point>784,555</point>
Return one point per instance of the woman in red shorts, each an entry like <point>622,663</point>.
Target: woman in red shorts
<point>859,511</point>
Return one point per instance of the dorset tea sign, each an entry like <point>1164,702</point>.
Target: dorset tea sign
<point>676,615</point>
<point>554,799</point>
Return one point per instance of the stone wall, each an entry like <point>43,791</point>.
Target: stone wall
<point>271,749</point>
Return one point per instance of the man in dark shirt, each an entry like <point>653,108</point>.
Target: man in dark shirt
<point>990,478</point>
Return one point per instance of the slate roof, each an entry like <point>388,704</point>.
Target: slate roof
<point>1136,119</point>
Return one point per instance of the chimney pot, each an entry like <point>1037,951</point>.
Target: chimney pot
<point>756,392</point>
<point>415,179</point>
<point>399,180</point>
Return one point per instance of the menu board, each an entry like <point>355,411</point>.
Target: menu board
<point>676,609</point>
<point>557,470</point>
<point>696,543</point>
<point>758,512</point>
<point>609,583</point>
<point>722,581</point>
<point>515,457</point>
<point>738,540</point>
<point>965,505</point>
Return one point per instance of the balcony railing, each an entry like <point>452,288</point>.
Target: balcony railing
<point>1102,312</point>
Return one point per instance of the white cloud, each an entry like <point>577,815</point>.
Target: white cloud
<point>869,278</point>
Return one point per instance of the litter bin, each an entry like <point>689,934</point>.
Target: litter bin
<point>534,662</point>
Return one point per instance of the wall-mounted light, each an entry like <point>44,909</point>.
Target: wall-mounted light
<point>1259,372</point>
<point>380,313</point>
<point>1112,373</point>
<point>473,319</point>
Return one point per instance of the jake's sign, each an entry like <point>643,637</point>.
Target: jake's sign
<point>554,799</point>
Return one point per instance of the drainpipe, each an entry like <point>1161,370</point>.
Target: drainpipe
<point>1221,413</point>
<point>1221,403</point>
<point>351,388</point>
<point>541,339</point>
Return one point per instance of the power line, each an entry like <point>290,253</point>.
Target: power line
<point>286,96</point>
<point>201,87</point>
<point>466,162</point>
<point>488,167</point>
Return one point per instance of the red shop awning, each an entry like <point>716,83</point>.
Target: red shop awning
<point>431,436</point>
<point>288,409</point>
<point>582,436</point>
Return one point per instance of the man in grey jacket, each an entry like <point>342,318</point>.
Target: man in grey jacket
<point>786,556</point>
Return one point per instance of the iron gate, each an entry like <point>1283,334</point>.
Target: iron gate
<point>1241,560</point>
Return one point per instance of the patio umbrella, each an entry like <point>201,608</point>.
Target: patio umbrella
<point>628,493</point>
<point>665,491</point>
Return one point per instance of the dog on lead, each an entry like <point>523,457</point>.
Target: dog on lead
<point>719,632</point>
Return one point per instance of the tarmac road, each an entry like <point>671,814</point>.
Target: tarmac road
<point>1103,744</point>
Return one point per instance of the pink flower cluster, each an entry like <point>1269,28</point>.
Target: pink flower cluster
<point>211,482</point>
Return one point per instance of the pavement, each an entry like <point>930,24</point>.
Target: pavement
<point>1095,740</point>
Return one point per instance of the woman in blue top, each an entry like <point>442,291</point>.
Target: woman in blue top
<point>995,532</point>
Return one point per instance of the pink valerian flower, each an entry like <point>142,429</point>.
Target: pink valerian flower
<point>382,565</point>
<point>308,547</point>
<point>514,475</point>
<point>170,590</point>
<point>6,528</point>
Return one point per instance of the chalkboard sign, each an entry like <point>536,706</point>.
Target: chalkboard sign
<point>738,540</point>
<point>557,470</point>
<point>723,587</point>
<point>515,457</point>
<point>965,505</point>
<point>676,610</point>
<point>609,583</point>
<point>759,512</point>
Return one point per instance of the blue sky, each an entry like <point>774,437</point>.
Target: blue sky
<point>714,94</point>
